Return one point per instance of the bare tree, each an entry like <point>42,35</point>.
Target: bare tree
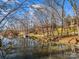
<point>7,9</point>
<point>74,4</point>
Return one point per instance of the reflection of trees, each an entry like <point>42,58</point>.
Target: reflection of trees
<point>41,19</point>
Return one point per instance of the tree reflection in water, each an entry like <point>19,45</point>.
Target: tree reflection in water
<point>31,43</point>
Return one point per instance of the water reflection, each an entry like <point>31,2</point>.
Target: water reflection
<point>27,54</point>
<point>60,56</point>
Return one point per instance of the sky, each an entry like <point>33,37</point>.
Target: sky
<point>25,8</point>
<point>67,7</point>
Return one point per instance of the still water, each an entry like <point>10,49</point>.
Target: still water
<point>59,56</point>
<point>31,44</point>
<point>67,55</point>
